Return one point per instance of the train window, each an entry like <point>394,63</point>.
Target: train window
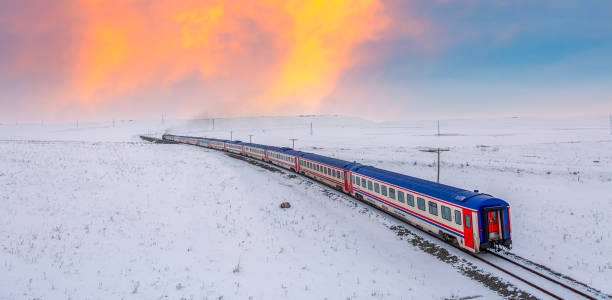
<point>410,200</point>
<point>339,174</point>
<point>355,182</point>
<point>363,182</point>
<point>369,185</point>
<point>421,203</point>
<point>468,221</point>
<point>458,217</point>
<point>400,196</point>
<point>392,193</point>
<point>433,208</point>
<point>376,187</point>
<point>446,213</point>
<point>384,189</point>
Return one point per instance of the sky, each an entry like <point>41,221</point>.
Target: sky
<point>95,60</point>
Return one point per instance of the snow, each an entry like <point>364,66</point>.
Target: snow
<point>94,213</point>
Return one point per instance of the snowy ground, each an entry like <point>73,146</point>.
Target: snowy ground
<point>92,212</point>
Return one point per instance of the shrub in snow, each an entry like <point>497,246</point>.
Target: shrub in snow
<point>285,205</point>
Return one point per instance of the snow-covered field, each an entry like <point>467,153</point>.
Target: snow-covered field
<point>94,213</point>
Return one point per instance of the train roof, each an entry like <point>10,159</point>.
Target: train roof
<point>338,163</point>
<point>261,146</point>
<point>288,151</point>
<point>213,139</point>
<point>461,197</point>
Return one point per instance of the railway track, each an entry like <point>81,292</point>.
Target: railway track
<point>554,285</point>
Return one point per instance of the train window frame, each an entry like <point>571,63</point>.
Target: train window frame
<point>383,189</point>
<point>446,213</point>
<point>421,203</point>
<point>363,182</point>
<point>376,187</point>
<point>468,221</point>
<point>458,217</point>
<point>400,196</point>
<point>370,185</point>
<point>354,181</point>
<point>410,199</point>
<point>432,208</point>
<point>392,193</point>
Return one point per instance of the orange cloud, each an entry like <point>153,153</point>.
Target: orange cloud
<point>286,53</point>
<point>324,34</point>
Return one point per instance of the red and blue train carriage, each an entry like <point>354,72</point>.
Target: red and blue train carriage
<point>331,171</point>
<point>235,147</point>
<point>284,157</point>
<point>217,144</point>
<point>475,221</point>
<point>256,151</point>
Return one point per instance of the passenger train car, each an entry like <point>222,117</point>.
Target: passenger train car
<point>472,220</point>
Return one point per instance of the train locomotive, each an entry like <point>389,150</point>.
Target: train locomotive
<point>472,220</point>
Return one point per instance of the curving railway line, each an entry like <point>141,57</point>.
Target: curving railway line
<point>551,284</point>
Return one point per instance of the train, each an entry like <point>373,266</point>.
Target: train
<point>471,220</point>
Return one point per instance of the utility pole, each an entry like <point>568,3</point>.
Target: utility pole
<point>113,122</point>
<point>437,150</point>
<point>231,135</point>
<point>310,128</point>
<point>250,135</point>
<point>213,121</point>
<point>438,127</point>
<point>293,143</point>
<point>162,118</point>
<point>77,123</point>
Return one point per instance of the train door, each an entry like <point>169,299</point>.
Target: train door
<point>346,178</point>
<point>493,224</point>
<point>468,230</point>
